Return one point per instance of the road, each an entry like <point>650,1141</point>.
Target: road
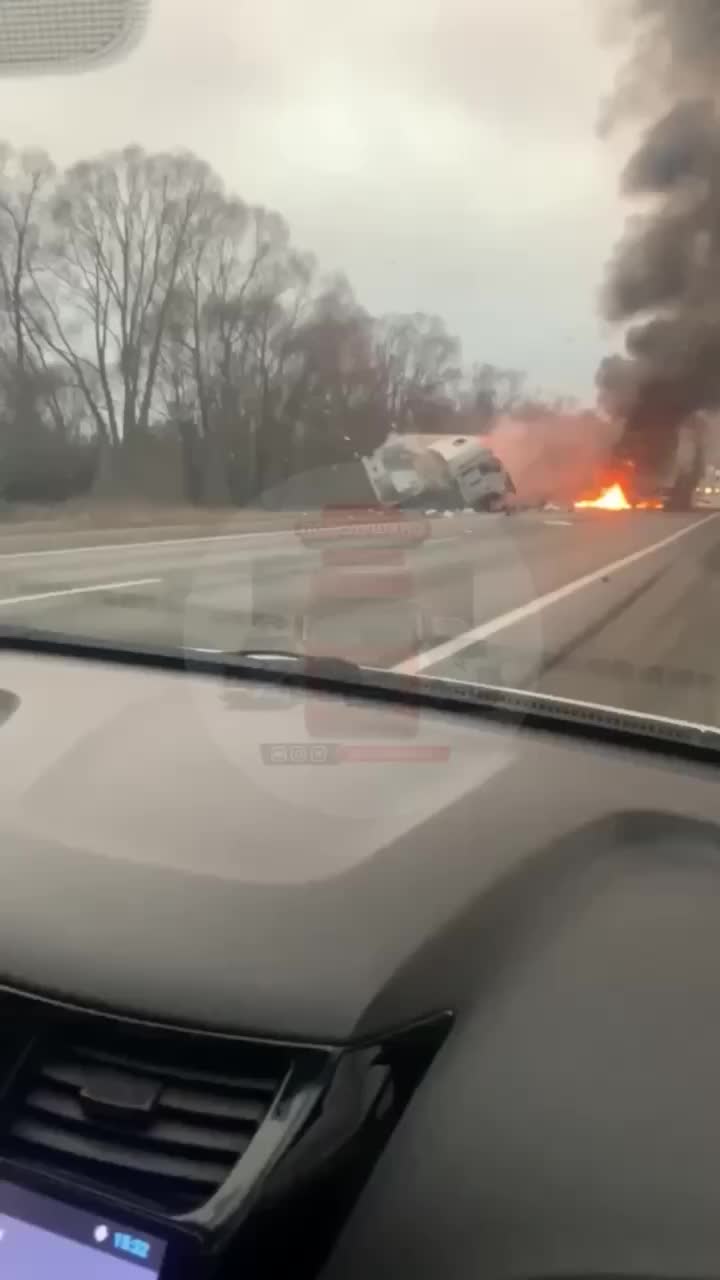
<point>616,608</point>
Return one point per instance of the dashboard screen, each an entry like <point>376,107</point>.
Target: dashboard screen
<point>43,1239</point>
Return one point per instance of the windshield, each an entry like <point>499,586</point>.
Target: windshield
<point>387,332</point>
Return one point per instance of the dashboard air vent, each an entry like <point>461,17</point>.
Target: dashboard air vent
<point>164,1118</point>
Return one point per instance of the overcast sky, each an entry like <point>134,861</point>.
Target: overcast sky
<point>442,153</point>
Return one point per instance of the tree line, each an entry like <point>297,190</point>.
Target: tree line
<point>162,338</point>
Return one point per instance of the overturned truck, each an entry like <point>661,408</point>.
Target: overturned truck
<point>444,473</point>
<point>448,473</point>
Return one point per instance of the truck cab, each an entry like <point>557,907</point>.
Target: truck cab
<point>477,474</point>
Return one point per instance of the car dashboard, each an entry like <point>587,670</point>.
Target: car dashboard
<point>442,1003</point>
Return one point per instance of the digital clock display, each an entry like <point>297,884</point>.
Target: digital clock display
<point>43,1239</point>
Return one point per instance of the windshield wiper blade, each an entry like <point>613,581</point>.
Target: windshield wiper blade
<point>332,666</point>
<point>524,708</point>
<point>270,663</point>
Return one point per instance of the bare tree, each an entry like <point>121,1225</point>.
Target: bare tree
<point>25,180</point>
<point>419,365</point>
<point>239,297</point>
<point>145,316</point>
<point>494,391</point>
<point>103,289</point>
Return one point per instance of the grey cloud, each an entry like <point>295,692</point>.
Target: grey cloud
<point>442,152</point>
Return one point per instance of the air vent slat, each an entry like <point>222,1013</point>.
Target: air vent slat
<point>165,1117</point>
<point>234,1107</point>
<point>131,1157</point>
<point>218,1106</point>
<point>263,1086</point>
<point>132,1182</point>
<point>161,1132</point>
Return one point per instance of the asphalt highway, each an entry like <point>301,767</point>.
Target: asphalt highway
<point>621,609</point>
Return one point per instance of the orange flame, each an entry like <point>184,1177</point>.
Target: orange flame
<point>612,499</point>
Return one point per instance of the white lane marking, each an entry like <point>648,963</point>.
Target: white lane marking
<point>78,591</point>
<point>140,546</point>
<point>190,541</point>
<point>450,647</point>
<point>566,523</point>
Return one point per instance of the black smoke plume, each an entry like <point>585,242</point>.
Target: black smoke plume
<point>663,280</point>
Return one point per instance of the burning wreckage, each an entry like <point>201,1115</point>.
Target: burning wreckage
<point>628,485</point>
<point>463,472</point>
<point>663,279</point>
